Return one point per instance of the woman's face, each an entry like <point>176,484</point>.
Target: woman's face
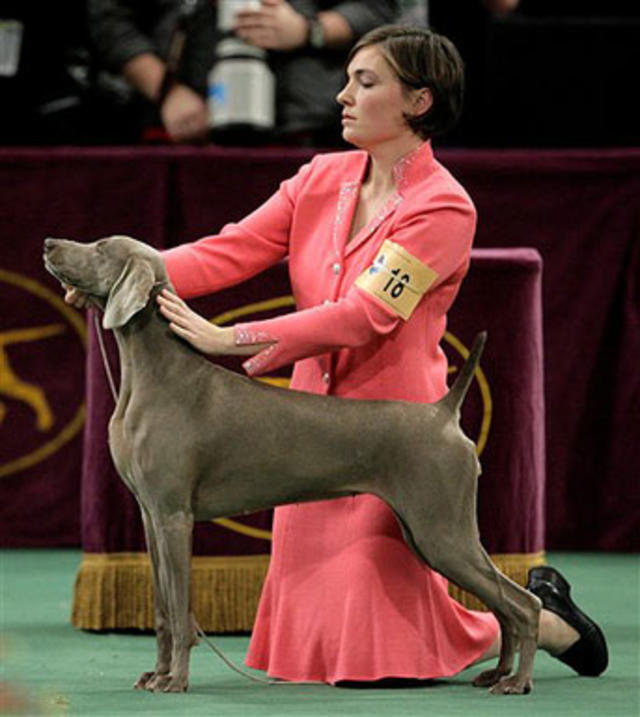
<point>373,101</point>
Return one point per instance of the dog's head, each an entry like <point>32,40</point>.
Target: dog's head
<point>117,272</point>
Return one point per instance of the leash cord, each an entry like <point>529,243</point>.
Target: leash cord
<point>254,678</point>
<point>228,662</point>
<point>201,634</point>
<point>105,358</point>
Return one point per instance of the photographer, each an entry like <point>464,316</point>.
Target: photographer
<point>304,39</point>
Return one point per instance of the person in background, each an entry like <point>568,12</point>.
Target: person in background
<point>308,42</point>
<point>305,39</point>
<point>44,68</point>
<point>131,42</point>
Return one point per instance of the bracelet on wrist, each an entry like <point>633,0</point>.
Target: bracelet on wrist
<point>316,39</point>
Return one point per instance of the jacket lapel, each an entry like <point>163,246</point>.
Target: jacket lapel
<point>406,170</point>
<point>388,208</point>
<point>347,202</point>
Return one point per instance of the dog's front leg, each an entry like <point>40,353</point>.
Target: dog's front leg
<point>148,680</point>
<point>174,535</point>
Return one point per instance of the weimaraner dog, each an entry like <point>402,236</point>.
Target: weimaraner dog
<point>191,442</point>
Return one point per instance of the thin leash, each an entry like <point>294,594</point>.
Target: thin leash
<point>201,634</point>
<point>105,358</point>
<point>268,681</point>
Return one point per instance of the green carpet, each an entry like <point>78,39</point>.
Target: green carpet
<point>51,668</point>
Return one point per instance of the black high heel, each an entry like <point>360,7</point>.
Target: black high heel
<point>589,655</point>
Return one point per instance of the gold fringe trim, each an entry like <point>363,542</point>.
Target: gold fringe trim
<point>113,590</point>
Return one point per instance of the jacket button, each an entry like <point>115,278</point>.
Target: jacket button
<point>325,377</point>
<point>336,268</point>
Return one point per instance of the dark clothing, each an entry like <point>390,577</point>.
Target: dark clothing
<point>307,81</point>
<point>44,100</point>
<point>123,29</point>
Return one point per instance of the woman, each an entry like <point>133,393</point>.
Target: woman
<point>378,242</point>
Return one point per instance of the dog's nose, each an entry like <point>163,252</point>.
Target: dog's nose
<point>49,243</point>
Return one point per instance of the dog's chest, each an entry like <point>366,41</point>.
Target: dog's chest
<point>121,447</point>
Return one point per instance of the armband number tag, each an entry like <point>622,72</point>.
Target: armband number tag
<point>397,278</point>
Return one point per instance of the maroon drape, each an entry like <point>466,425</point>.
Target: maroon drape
<point>65,193</point>
<point>581,210</point>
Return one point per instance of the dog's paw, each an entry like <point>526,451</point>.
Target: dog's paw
<point>143,681</point>
<point>514,685</point>
<point>161,682</point>
<point>158,682</point>
<point>176,684</point>
<point>489,677</point>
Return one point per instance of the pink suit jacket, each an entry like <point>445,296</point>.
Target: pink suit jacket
<point>343,340</point>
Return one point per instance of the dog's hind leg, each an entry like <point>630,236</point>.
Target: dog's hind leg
<point>147,680</point>
<point>173,535</point>
<point>465,563</point>
<point>519,632</point>
<point>517,612</point>
<point>508,647</point>
<point>508,640</point>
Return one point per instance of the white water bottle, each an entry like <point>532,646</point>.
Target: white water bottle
<point>241,85</point>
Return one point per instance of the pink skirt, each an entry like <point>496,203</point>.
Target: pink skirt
<point>345,599</point>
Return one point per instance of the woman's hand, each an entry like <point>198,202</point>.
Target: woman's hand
<point>275,26</point>
<point>184,115</point>
<point>190,326</point>
<point>75,297</point>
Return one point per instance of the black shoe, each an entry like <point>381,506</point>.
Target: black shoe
<point>589,655</point>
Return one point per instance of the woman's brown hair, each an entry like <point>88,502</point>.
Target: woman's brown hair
<point>422,58</point>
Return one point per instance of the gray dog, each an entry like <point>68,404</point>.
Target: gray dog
<point>191,442</point>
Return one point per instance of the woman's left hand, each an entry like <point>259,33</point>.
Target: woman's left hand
<point>200,333</point>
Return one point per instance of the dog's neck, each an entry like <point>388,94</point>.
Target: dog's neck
<point>149,317</point>
<point>144,335</point>
<point>135,335</point>
<point>150,354</point>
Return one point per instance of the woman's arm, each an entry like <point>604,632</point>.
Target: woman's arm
<point>365,16</point>
<point>278,25</point>
<point>438,243</point>
<point>200,333</point>
<point>240,250</point>
<point>115,34</point>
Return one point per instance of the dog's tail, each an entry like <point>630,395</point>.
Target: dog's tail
<point>453,400</point>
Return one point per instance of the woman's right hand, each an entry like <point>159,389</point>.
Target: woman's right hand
<point>75,297</point>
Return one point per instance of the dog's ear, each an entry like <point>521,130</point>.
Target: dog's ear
<point>129,293</point>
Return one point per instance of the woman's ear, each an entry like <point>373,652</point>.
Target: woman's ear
<point>422,101</point>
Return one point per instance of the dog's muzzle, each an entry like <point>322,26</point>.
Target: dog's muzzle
<point>49,255</point>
